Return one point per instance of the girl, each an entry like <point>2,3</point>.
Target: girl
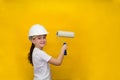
<point>39,58</point>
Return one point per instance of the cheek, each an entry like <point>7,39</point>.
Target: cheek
<point>45,41</point>
<point>36,41</point>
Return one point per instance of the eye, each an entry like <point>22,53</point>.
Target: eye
<point>39,37</point>
<point>44,37</point>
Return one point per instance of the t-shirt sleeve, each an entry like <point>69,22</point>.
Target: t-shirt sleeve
<point>45,56</point>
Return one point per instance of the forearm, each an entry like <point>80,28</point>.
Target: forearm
<point>59,59</point>
<point>61,56</point>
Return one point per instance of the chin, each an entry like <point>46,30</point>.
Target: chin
<point>42,45</point>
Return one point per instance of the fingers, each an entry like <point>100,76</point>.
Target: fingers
<point>64,47</point>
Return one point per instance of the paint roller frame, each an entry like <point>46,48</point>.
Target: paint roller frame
<point>65,34</point>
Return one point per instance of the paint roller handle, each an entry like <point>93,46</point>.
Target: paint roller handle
<point>65,52</point>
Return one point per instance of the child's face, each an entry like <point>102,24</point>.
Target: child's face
<point>39,41</point>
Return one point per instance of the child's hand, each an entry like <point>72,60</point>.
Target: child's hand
<point>64,47</point>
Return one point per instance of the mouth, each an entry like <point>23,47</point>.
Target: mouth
<point>42,43</point>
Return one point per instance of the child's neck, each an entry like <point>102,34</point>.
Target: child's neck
<point>41,48</point>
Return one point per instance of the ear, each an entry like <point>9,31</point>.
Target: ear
<point>33,40</point>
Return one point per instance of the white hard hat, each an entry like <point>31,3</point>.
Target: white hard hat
<point>37,29</point>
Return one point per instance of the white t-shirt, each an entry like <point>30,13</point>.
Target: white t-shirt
<point>41,67</point>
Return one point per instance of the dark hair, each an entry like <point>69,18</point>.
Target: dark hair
<point>30,54</point>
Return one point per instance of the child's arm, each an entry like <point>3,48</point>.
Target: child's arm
<point>59,59</point>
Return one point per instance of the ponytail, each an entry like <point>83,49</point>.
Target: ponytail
<point>30,54</point>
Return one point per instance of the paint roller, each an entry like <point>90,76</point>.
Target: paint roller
<point>66,34</point>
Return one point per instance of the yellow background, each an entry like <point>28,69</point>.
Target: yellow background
<point>92,55</point>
